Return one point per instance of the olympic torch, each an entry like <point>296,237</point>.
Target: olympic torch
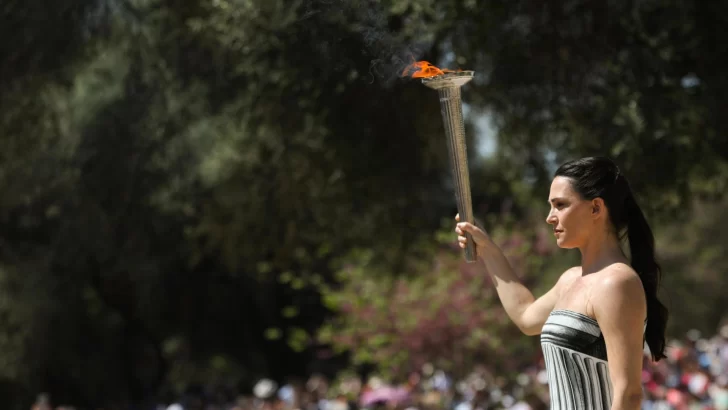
<point>448,84</point>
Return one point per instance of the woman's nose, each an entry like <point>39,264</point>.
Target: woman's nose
<point>550,218</point>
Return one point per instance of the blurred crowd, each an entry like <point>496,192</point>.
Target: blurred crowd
<point>693,377</point>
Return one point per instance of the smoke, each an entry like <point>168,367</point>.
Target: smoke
<point>389,51</point>
<point>100,15</point>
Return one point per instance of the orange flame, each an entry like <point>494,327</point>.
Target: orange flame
<point>423,69</point>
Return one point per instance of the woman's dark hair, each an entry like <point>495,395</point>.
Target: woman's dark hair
<point>599,177</point>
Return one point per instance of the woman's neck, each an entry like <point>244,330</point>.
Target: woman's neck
<point>600,252</point>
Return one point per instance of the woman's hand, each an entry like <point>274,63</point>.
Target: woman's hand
<point>481,239</point>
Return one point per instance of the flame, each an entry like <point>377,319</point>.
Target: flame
<point>423,69</point>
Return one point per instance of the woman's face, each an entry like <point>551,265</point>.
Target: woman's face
<point>570,215</point>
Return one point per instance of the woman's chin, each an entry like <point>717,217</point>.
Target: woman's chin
<point>561,243</point>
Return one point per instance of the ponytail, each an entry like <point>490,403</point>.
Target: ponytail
<point>642,253</point>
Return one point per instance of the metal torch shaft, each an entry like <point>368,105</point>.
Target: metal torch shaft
<point>452,117</point>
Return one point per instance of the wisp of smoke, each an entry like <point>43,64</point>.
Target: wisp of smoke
<point>389,53</point>
<point>99,16</point>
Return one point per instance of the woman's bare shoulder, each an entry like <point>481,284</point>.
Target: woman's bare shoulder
<point>617,284</point>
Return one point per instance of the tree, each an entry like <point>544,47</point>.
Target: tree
<point>620,79</point>
<point>692,251</point>
<point>440,310</point>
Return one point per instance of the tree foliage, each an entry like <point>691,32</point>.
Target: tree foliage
<point>692,258</point>
<point>181,177</point>
<point>442,311</point>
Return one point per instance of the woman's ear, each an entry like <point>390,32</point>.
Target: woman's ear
<point>598,207</point>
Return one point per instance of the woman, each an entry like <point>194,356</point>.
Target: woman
<point>605,308</point>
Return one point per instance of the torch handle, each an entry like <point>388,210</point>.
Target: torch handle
<point>452,116</point>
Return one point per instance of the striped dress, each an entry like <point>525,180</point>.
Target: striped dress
<point>576,362</point>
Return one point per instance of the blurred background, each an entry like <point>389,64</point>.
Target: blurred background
<point>241,204</point>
